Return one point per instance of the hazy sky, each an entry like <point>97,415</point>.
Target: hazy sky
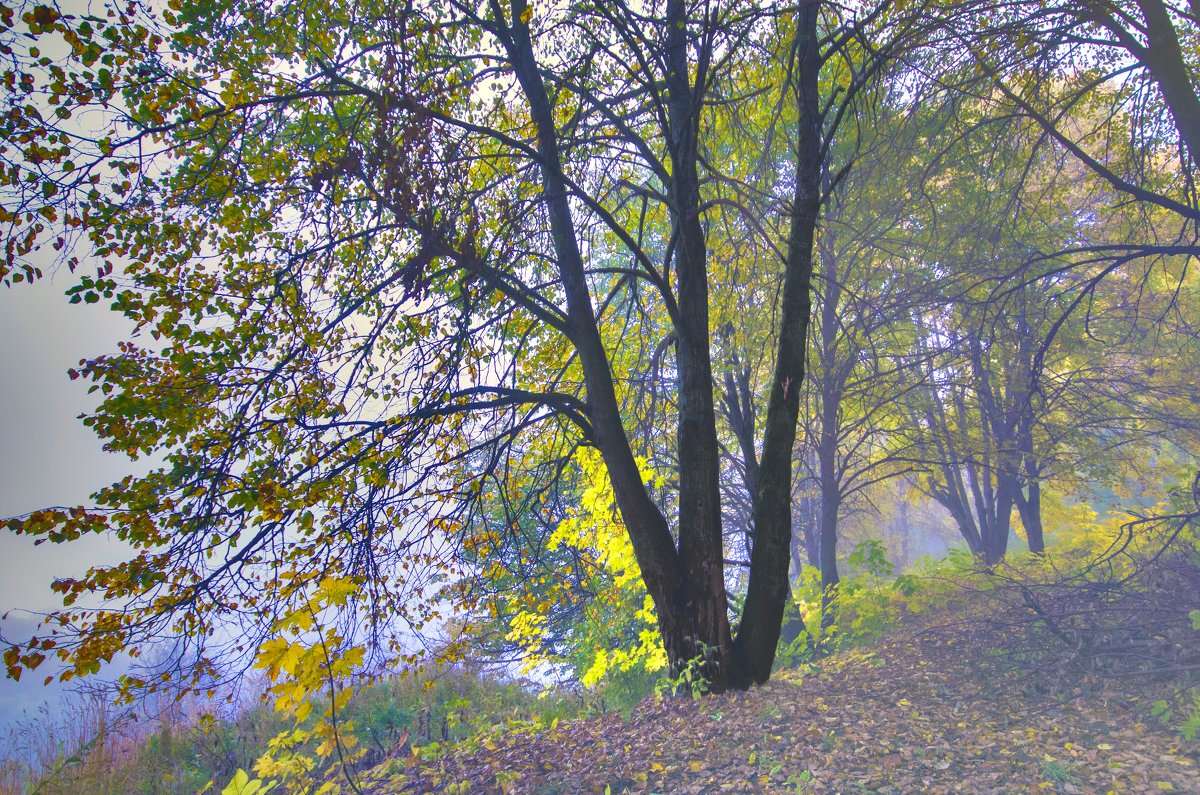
<point>47,456</point>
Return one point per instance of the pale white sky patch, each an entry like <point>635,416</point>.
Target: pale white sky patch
<point>47,456</point>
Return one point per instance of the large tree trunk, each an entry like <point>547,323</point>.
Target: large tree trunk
<point>687,586</point>
<point>700,537</point>
<point>768,589</point>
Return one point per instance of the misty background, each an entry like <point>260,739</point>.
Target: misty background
<point>47,456</point>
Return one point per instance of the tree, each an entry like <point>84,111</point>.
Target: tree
<point>1017,391</point>
<point>860,349</point>
<point>1113,85</point>
<point>373,246</point>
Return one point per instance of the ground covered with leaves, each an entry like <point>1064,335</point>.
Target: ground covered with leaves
<point>936,706</point>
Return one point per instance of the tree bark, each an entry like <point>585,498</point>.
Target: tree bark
<point>768,588</point>
<point>700,533</point>
<point>1030,509</point>
<point>684,617</point>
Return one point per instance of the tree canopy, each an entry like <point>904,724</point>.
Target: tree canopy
<point>458,318</point>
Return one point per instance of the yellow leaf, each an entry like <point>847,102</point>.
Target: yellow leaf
<point>276,655</point>
<point>335,591</point>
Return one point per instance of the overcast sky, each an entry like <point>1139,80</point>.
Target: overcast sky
<point>47,456</point>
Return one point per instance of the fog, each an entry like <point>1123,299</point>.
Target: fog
<point>47,456</point>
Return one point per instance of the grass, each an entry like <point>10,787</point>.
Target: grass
<point>1056,772</point>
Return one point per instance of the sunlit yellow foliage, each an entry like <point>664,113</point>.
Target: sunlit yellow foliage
<point>621,608</point>
<point>314,661</point>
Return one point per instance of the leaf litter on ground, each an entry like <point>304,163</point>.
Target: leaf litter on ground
<point>929,708</point>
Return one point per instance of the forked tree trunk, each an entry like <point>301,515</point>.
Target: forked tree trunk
<point>687,583</point>
<point>691,617</point>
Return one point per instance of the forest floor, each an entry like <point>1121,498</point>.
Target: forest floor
<point>935,706</point>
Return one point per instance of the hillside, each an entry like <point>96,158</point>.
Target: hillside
<point>936,706</point>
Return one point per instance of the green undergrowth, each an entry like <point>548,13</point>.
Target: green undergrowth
<point>870,599</point>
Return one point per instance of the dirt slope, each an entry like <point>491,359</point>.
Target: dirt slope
<point>927,710</point>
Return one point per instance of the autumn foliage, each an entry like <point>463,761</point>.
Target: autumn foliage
<point>601,340</point>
